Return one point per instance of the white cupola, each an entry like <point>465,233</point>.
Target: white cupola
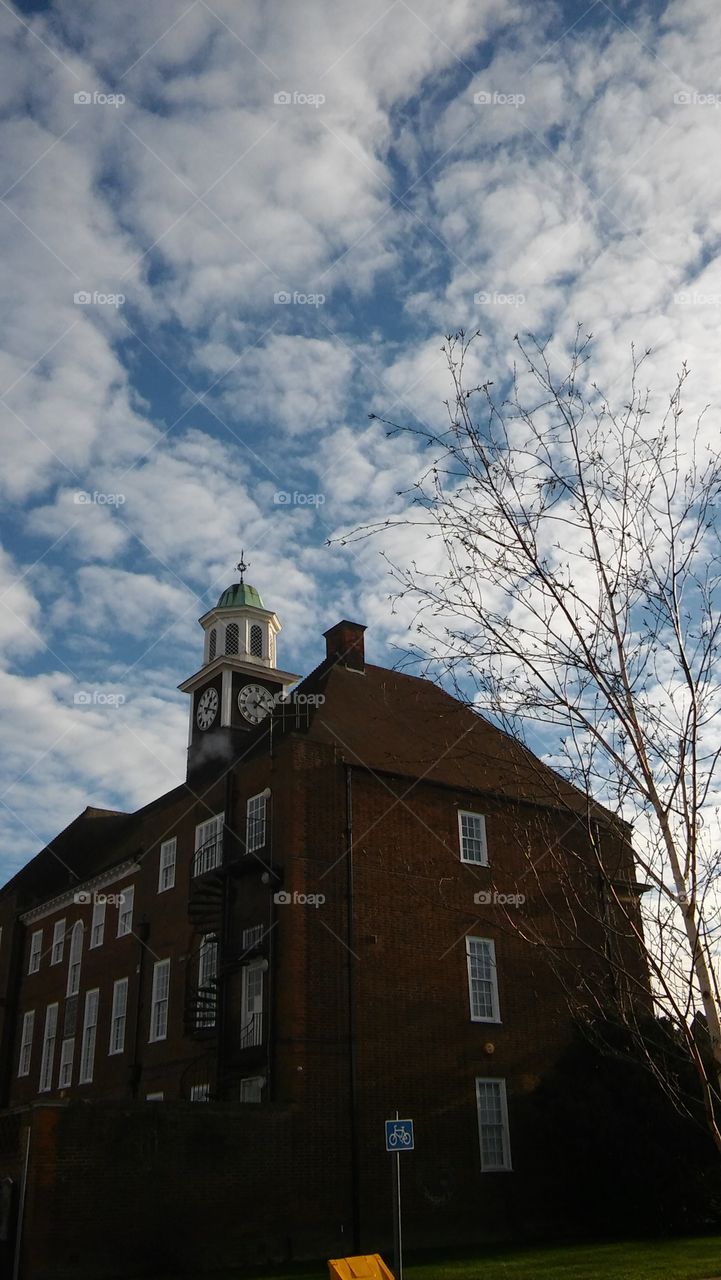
<point>240,627</point>
<point>239,682</point>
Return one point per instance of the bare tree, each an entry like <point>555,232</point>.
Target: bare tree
<point>579,590</point>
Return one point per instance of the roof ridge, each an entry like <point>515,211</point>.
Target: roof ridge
<point>386,739</point>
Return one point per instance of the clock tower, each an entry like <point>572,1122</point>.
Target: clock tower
<point>235,688</point>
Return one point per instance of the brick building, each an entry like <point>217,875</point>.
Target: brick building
<point>324,923</point>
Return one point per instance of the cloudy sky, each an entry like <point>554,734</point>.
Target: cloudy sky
<point>230,232</point>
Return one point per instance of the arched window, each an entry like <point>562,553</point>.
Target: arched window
<point>231,637</point>
<point>212,642</point>
<point>256,640</point>
<point>76,955</point>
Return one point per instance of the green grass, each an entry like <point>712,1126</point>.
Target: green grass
<point>690,1259</point>
<point>693,1258</point>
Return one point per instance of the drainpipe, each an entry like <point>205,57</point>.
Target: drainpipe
<point>352,1065</point>
<point>270,971</point>
<point>223,939</point>
<point>7,1057</point>
<point>272,1011</point>
<point>142,932</point>
<point>21,1205</point>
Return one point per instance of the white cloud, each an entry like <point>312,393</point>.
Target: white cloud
<point>19,612</point>
<point>595,200</point>
<point>70,754</point>
<point>85,519</point>
<point>115,600</point>
<point>296,383</point>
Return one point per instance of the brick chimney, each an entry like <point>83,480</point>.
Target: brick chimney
<point>344,644</point>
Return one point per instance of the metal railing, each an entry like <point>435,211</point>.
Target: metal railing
<point>208,856</point>
<point>251,1033</point>
<point>289,714</point>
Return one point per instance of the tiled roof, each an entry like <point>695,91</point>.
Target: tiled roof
<point>378,719</point>
<point>397,723</point>
<point>93,842</point>
<point>82,849</point>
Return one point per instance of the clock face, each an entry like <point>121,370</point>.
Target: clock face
<point>207,708</point>
<point>254,702</point>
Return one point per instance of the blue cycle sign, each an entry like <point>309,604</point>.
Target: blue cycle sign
<point>399,1135</point>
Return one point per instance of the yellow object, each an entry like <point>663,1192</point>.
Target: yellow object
<point>369,1266</point>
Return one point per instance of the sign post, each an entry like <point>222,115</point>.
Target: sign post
<point>399,1137</point>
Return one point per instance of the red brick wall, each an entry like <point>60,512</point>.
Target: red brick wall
<point>170,934</point>
<point>122,1189</point>
<point>417,1049</point>
<point>170,1172</point>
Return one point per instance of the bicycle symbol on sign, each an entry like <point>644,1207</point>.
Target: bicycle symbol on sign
<point>399,1135</point>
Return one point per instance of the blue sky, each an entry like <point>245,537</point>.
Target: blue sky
<point>433,168</point>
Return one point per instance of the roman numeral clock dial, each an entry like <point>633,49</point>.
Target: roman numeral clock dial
<point>254,702</point>
<point>207,708</point>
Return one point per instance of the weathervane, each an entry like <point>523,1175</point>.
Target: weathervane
<point>242,566</point>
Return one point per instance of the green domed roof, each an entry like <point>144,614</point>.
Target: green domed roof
<point>240,593</point>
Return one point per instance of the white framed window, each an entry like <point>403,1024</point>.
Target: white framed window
<point>212,644</point>
<point>90,1028</point>
<point>208,844</point>
<point>36,950</point>
<point>75,959</point>
<point>251,1088</point>
<point>125,911</point>
<point>118,1016</point>
<point>256,640</point>
<point>26,1043</point>
<point>493,1125</point>
<point>56,951</point>
<point>207,988</point>
<point>482,980</point>
<point>232,637</point>
<point>251,1005</point>
<point>65,1074</point>
<point>472,837</point>
<point>154,1097</point>
<point>97,925</point>
<point>166,870</point>
<point>46,1062</point>
<point>255,823</point>
<point>159,1001</point>
<point>200,1093</point>
<point>252,936</point>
